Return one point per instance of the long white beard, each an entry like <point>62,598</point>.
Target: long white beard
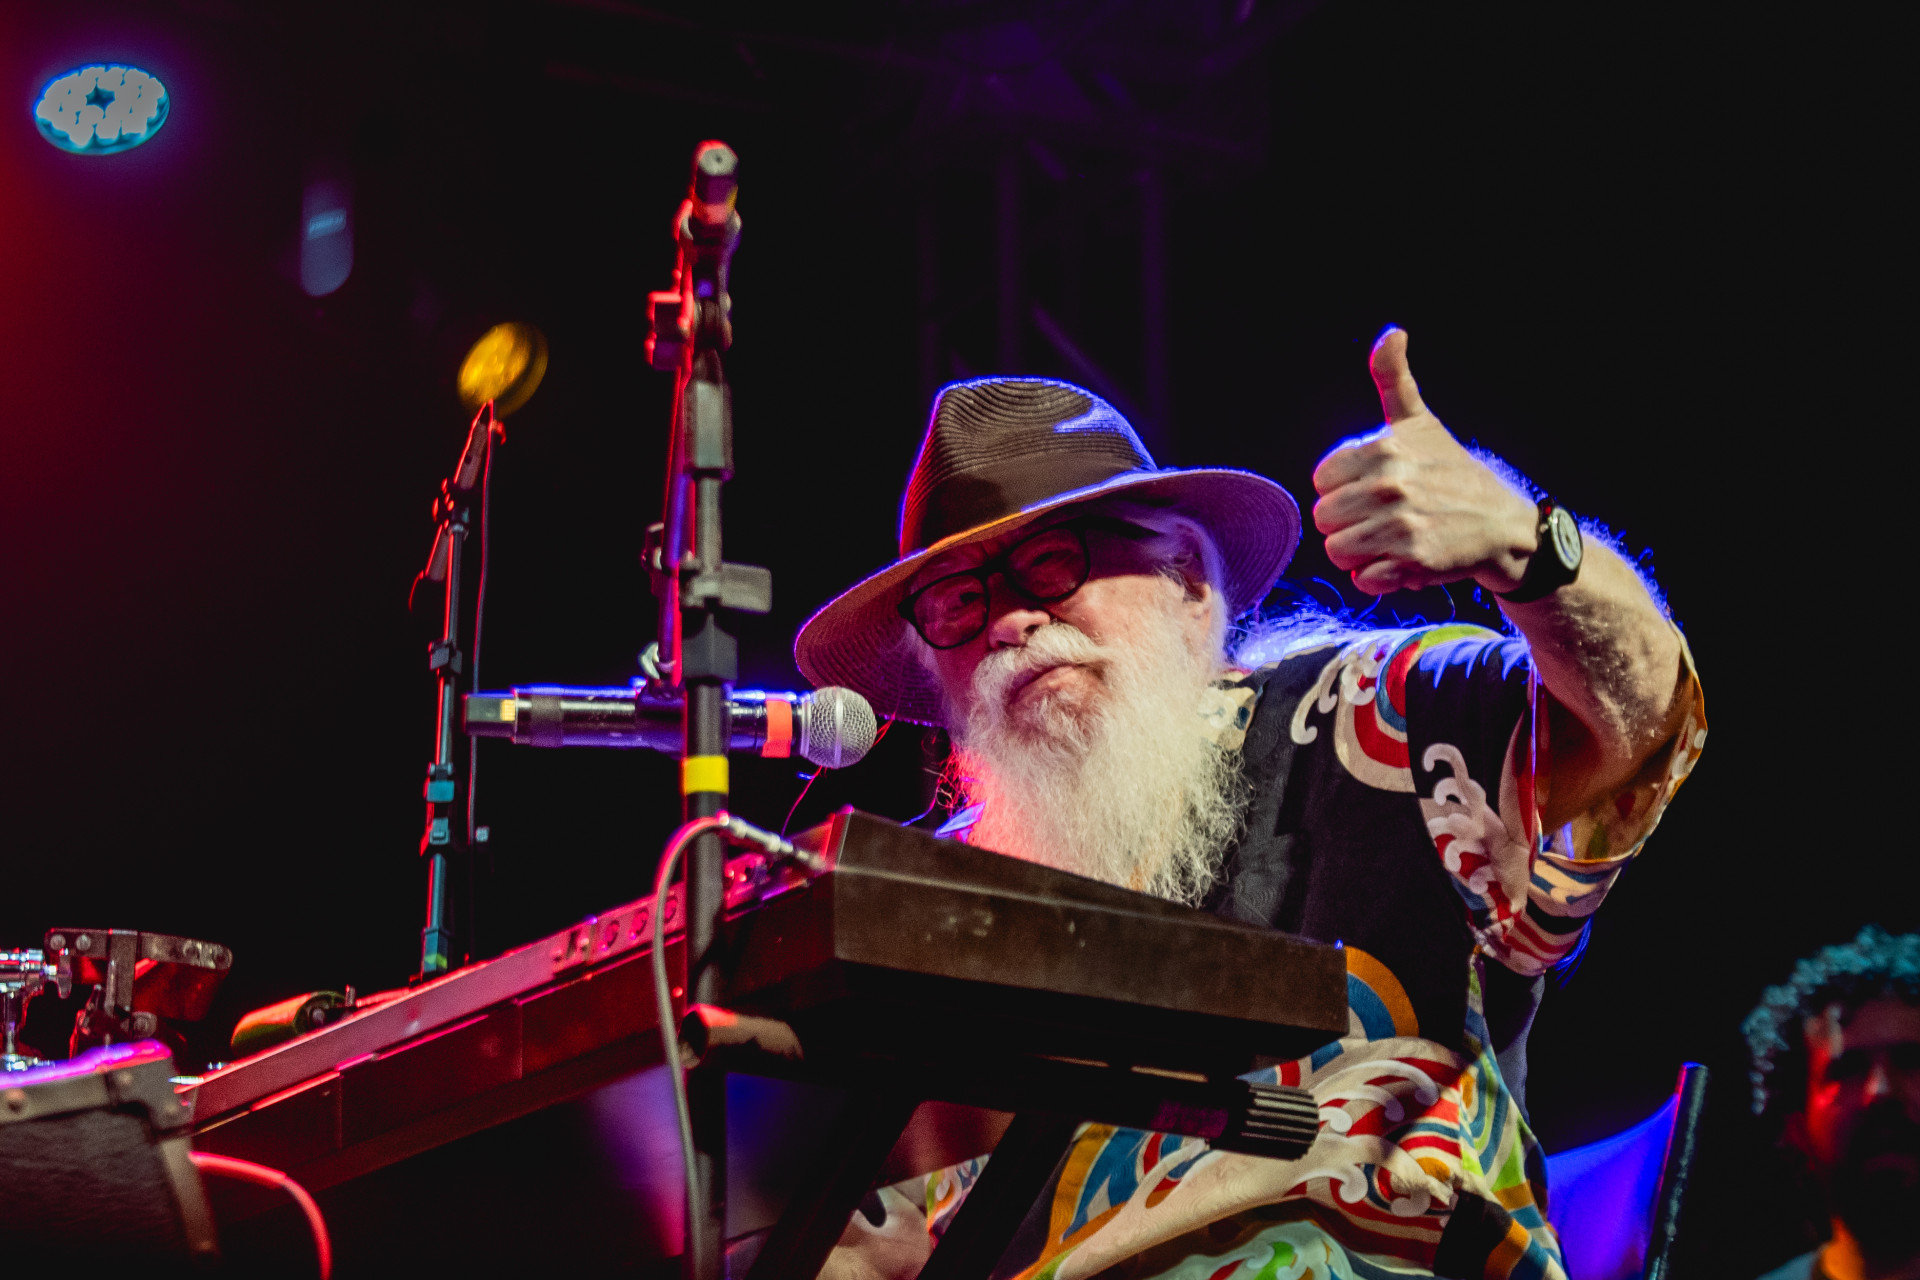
<point>1124,787</point>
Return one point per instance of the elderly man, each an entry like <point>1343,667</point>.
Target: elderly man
<point>1836,1064</point>
<point>1449,803</point>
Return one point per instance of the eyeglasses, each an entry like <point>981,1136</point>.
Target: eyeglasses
<point>1042,568</point>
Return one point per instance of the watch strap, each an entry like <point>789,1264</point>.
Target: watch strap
<point>1546,571</point>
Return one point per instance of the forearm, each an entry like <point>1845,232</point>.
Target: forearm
<point>1407,507</point>
<point>1611,660</point>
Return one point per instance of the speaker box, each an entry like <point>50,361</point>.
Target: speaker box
<point>96,1166</point>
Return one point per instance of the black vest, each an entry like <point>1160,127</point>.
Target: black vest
<point>1327,857</point>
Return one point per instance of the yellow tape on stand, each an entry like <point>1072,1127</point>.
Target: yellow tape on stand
<point>703,773</point>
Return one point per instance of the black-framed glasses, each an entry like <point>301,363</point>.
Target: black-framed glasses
<point>1043,568</point>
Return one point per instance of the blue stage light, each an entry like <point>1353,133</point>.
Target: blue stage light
<point>99,110</point>
<point>326,237</point>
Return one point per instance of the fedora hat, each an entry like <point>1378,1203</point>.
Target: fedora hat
<point>1000,453</point>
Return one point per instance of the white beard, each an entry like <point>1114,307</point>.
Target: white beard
<point>1123,785</point>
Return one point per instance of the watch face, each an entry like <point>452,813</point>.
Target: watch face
<point>1565,535</point>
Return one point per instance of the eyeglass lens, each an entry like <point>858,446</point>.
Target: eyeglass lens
<point>1049,566</point>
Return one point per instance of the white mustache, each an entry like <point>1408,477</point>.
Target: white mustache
<point>1057,644</point>
<point>1122,787</point>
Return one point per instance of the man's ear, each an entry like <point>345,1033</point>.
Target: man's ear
<point>1193,577</point>
<point>1192,568</point>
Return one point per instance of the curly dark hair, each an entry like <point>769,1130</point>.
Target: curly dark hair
<point>1874,964</point>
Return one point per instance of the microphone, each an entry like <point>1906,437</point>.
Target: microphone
<point>832,727</point>
<point>716,184</point>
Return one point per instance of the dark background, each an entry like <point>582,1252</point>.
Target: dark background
<point>1646,253</point>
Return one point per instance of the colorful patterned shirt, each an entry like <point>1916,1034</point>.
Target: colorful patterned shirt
<point>1396,793</point>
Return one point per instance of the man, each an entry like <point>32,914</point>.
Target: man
<point>1836,1062</point>
<point>1448,803</point>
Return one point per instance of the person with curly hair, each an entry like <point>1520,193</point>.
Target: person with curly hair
<point>1836,1066</point>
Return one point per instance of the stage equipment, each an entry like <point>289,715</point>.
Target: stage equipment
<point>296,1015</point>
<point>95,1167</point>
<point>507,362</point>
<point>22,975</point>
<point>832,727</point>
<point>1616,1202</point>
<point>696,587</point>
<point>142,982</point>
<point>505,366</point>
<point>880,960</point>
<point>326,236</point>
<point>261,1176</point>
<point>98,110</point>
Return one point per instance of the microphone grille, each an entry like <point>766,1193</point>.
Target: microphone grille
<point>837,727</point>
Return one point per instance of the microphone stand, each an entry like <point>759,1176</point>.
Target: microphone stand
<point>696,589</point>
<point>444,837</point>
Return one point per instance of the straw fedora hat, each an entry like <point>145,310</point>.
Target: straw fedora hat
<point>1000,453</point>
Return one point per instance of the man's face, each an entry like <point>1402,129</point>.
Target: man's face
<point>1861,1127</point>
<point>1076,723</point>
<point>1123,589</point>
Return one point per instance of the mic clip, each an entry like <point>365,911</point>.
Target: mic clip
<point>668,330</point>
<point>440,654</point>
<point>745,587</point>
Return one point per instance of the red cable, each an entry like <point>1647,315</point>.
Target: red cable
<point>248,1171</point>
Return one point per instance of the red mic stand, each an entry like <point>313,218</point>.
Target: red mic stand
<point>696,587</point>
<point>446,832</point>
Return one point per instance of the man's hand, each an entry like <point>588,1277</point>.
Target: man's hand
<point>1406,506</point>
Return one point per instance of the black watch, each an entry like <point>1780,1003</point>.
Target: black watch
<point>1555,562</point>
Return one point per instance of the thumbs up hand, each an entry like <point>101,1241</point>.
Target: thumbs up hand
<point>1406,506</point>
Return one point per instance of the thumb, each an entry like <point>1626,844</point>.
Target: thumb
<point>1399,393</point>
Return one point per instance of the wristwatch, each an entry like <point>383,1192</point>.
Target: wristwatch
<point>1555,562</point>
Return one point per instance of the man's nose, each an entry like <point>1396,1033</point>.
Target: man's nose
<point>1010,618</point>
<point>1879,1082</point>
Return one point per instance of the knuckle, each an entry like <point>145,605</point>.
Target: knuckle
<point>1401,531</point>
<point>1391,490</point>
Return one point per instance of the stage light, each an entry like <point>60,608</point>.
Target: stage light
<point>326,236</point>
<point>504,366</point>
<point>99,110</point>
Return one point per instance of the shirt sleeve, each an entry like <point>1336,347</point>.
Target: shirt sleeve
<point>1470,706</point>
<point>1575,865</point>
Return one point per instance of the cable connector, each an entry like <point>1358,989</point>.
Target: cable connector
<point>767,842</point>
<point>777,848</point>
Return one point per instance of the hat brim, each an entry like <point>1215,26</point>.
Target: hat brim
<point>859,640</point>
